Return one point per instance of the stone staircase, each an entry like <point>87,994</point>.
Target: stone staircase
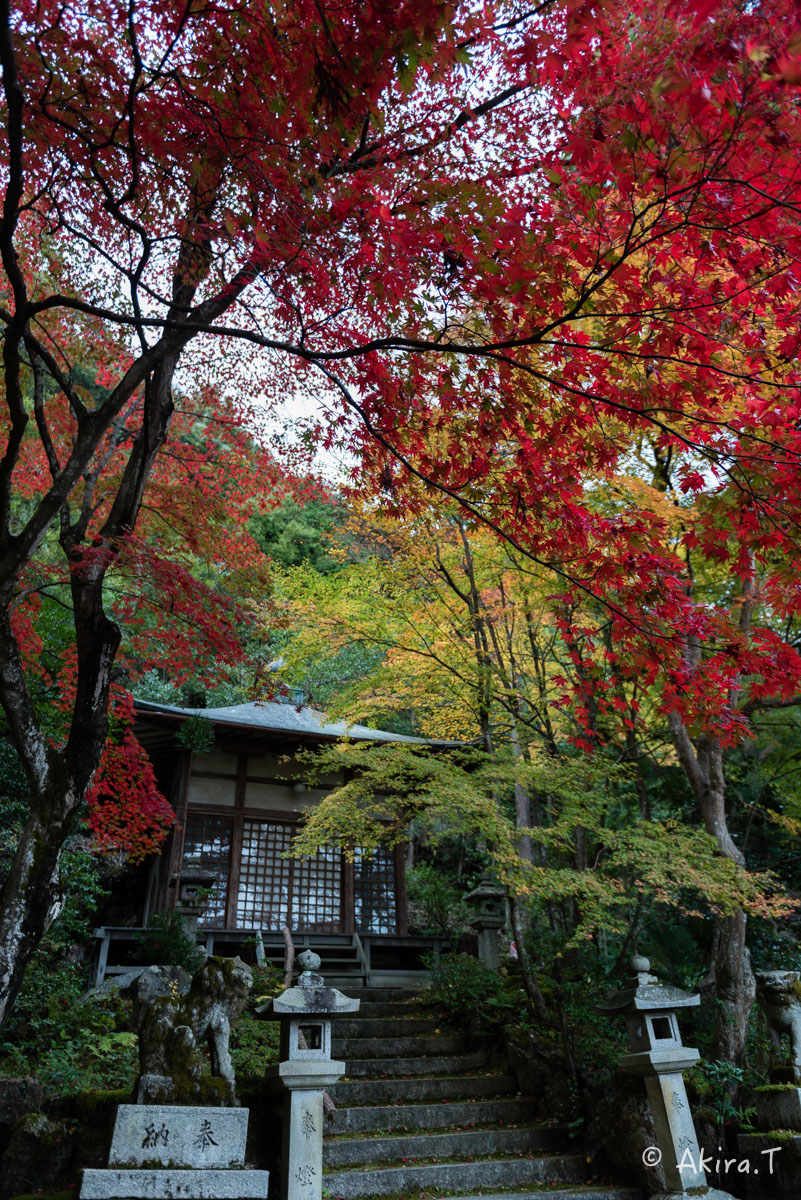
<point>422,1114</point>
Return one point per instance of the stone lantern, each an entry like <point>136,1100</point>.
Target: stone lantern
<point>658,1055</point>
<point>488,902</point>
<point>306,1069</point>
<point>194,884</point>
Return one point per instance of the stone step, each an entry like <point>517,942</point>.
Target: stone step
<point>461,1144</point>
<point>455,1176</point>
<point>386,1007</point>
<point>385,1091</point>
<point>586,1192</point>
<point>379,995</point>
<point>384,1027</point>
<point>396,1047</point>
<point>436,1064</point>
<point>445,1115</point>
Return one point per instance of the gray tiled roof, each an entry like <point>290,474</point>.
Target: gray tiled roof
<point>269,715</point>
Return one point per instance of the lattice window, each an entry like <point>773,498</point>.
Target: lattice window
<point>264,875</point>
<point>208,839</point>
<point>374,891</point>
<point>317,892</point>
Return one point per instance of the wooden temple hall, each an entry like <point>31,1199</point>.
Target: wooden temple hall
<point>238,810</point>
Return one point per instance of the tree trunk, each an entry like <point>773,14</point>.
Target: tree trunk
<point>735,986</point>
<point>31,896</point>
<point>523,818</point>
<point>530,984</point>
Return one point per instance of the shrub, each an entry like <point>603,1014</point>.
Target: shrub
<point>254,1040</point>
<point>436,905</point>
<point>165,943</point>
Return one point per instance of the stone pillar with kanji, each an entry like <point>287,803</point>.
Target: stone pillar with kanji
<point>658,1055</point>
<point>306,1070</point>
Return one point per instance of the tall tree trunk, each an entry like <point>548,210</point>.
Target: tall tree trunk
<point>58,778</point>
<point>523,817</point>
<point>735,987</point>
<point>31,895</point>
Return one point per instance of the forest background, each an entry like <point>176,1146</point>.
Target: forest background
<point>539,267</point>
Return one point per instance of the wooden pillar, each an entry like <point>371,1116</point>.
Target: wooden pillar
<point>166,896</point>
<point>348,894</point>
<point>401,904</point>
<point>236,841</point>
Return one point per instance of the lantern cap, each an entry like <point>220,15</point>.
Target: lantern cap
<point>193,872</point>
<point>646,994</point>
<point>487,887</point>
<point>310,994</point>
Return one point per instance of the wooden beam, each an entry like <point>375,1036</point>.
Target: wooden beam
<point>401,903</point>
<point>236,841</point>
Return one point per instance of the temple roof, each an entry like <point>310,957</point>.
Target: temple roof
<point>270,716</point>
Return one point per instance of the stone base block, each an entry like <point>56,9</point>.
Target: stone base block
<point>208,1184</point>
<point>155,1089</point>
<point>695,1194</point>
<point>778,1107</point>
<point>178,1135</point>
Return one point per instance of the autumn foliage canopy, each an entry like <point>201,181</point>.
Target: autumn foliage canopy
<point>502,244</point>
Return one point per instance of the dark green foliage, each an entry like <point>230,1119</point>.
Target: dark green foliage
<point>715,1086</point>
<point>678,950</point>
<point>13,803</point>
<point>165,943</point>
<point>68,1040</point>
<point>197,735</point>
<point>254,1045</point>
<point>254,1040</point>
<point>294,534</point>
<point>436,904</point>
<point>465,991</point>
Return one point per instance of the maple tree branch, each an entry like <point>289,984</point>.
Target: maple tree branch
<point>15,177</point>
<point>14,553</point>
<point>41,420</point>
<point>356,161</point>
<point>37,351</point>
<point>482,518</point>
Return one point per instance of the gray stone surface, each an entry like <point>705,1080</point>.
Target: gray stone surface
<point>37,1156</point>
<point>174,1029</point>
<point>436,1065</point>
<point>472,1143</point>
<point>436,1116</point>
<point>178,1136</point>
<point>659,1056</point>
<point>586,1193</point>
<point>783,1182</point>
<point>18,1097</point>
<point>709,1194</point>
<point>675,1131</point>
<point>388,1008</point>
<point>455,1177</point>
<point>778,1109</point>
<point>384,1091</point>
<point>779,996</point>
<point>381,1047</point>
<point>306,1069</point>
<point>118,983</point>
<point>303,1146</point>
<point>174,1185</point>
<point>382,1027</point>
